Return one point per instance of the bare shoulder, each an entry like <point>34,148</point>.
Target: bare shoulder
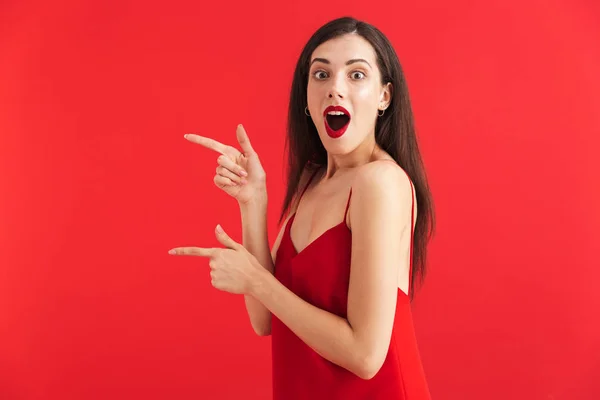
<point>383,177</point>
<point>380,188</point>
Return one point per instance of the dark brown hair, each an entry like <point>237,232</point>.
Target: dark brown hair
<point>394,131</point>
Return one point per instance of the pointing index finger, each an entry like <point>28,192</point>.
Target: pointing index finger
<point>192,251</point>
<point>206,142</point>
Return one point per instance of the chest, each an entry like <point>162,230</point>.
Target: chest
<point>319,272</point>
<point>319,212</point>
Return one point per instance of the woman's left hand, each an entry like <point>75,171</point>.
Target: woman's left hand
<point>232,269</point>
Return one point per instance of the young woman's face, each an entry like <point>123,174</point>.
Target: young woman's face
<point>343,72</point>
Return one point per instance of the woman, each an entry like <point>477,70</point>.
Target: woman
<point>335,290</point>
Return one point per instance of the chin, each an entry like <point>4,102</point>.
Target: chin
<point>338,147</point>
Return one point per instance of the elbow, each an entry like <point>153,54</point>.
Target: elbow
<point>368,366</point>
<point>261,323</point>
<point>262,329</point>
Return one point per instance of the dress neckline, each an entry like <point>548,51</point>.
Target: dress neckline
<point>322,235</point>
<point>314,241</point>
<point>343,223</point>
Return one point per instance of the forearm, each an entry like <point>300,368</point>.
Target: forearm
<point>254,231</point>
<point>255,240</point>
<point>329,335</point>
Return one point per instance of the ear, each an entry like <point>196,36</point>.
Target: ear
<point>386,95</point>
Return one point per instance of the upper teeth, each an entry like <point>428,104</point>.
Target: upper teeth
<point>335,113</point>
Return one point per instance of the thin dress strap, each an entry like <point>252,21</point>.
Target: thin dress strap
<point>412,223</point>
<point>307,185</point>
<point>350,194</point>
<point>412,219</point>
<point>347,205</point>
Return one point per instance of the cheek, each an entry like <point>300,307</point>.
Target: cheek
<point>365,103</point>
<point>366,96</point>
<point>313,94</point>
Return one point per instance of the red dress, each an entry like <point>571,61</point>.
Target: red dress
<point>320,275</point>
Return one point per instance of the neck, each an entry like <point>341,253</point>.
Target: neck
<point>363,154</point>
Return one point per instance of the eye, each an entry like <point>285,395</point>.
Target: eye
<point>361,75</point>
<point>316,74</point>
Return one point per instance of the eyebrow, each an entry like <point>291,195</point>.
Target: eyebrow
<point>354,60</point>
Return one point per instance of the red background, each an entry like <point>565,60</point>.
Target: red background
<point>97,183</point>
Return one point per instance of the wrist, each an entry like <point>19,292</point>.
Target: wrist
<point>257,202</point>
<point>260,281</point>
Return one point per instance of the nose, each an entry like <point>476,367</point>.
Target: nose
<point>337,88</point>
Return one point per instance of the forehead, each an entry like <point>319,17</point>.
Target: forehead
<point>344,48</point>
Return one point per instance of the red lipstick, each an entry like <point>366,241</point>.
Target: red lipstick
<point>336,133</point>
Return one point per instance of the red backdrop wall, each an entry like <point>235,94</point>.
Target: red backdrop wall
<point>98,183</point>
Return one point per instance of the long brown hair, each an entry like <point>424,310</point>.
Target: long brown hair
<point>394,131</point>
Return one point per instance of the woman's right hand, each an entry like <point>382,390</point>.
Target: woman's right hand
<point>239,174</point>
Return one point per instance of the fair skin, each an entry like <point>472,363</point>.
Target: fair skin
<point>379,216</point>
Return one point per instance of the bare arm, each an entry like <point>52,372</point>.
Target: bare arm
<point>381,201</point>
<point>255,240</point>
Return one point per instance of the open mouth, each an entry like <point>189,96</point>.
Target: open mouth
<point>337,119</point>
<point>337,122</point>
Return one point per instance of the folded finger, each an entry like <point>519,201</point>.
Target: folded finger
<point>231,165</point>
<point>228,174</point>
<point>222,181</point>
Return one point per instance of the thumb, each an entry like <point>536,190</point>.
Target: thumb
<point>244,140</point>
<point>225,240</point>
